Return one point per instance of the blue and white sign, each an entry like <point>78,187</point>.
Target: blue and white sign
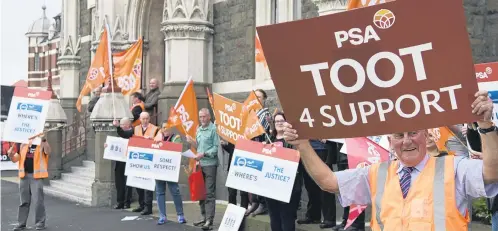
<point>27,115</point>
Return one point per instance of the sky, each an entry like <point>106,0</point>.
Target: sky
<point>16,16</point>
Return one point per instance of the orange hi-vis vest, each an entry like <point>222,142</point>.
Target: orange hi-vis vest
<point>40,163</point>
<point>429,205</point>
<point>151,131</point>
<point>142,105</point>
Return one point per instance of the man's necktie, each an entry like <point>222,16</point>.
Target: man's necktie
<point>406,180</point>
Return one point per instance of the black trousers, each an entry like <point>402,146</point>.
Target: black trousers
<point>244,197</point>
<point>145,198</point>
<point>360,221</point>
<point>283,215</point>
<point>124,192</point>
<point>319,201</point>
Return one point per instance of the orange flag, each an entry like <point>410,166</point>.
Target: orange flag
<point>353,4</point>
<point>186,108</point>
<point>441,136</point>
<point>253,127</point>
<point>260,56</point>
<point>173,119</point>
<point>251,104</point>
<point>99,69</point>
<point>128,68</point>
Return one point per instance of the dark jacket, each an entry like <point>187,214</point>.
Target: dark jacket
<point>92,103</point>
<point>125,134</point>
<point>135,111</point>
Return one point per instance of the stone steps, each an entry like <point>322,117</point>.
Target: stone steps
<point>75,186</point>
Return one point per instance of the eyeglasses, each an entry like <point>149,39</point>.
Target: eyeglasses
<point>401,135</point>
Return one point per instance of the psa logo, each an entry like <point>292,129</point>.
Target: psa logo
<point>141,156</point>
<point>384,19</point>
<point>29,107</point>
<point>230,108</point>
<point>485,74</point>
<point>249,163</point>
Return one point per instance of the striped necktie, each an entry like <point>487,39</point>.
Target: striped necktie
<point>406,180</point>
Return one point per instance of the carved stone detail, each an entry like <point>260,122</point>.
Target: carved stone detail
<point>187,30</point>
<point>330,6</point>
<point>103,126</point>
<point>69,62</point>
<point>197,10</point>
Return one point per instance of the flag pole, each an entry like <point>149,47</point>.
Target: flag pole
<point>109,53</point>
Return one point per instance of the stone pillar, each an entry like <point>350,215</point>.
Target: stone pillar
<point>55,119</point>
<point>326,7</point>
<point>103,190</point>
<point>188,37</point>
<point>69,61</point>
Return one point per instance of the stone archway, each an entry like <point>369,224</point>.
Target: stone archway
<point>144,19</point>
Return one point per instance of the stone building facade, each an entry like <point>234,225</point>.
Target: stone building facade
<point>210,41</point>
<point>44,37</point>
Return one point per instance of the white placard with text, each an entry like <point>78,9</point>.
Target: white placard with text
<point>116,148</point>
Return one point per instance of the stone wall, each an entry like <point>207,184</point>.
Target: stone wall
<point>482,25</point>
<point>85,26</point>
<point>234,28</point>
<point>308,9</point>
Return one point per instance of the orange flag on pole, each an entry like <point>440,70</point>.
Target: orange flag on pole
<point>186,108</point>
<point>173,119</point>
<point>99,69</point>
<point>250,104</point>
<point>128,68</point>
<point>253,127</point>
<point>441,135</point>
<point>259,55</point>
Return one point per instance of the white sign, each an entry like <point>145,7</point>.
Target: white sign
<point>141,182</point>
<point>116,148</point>
<point>264,170</point>
<point>27,115</point>
<point>156,160</point>
<point>232,219</point>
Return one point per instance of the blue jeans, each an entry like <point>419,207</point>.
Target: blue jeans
<point>494,222</point>
<point>174,189</point>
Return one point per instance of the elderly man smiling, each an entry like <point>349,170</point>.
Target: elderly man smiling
<point>417,192</point>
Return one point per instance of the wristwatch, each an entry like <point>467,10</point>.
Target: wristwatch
<point>487,130</point>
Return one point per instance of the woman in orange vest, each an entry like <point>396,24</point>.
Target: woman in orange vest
<point>33,168</point>
<point>137,107</point>
<point>417,191</point>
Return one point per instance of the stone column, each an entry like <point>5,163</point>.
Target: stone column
<point>103,190</point>
<point>188,37</point>
<point>55,119</point>
<point>69,61</point>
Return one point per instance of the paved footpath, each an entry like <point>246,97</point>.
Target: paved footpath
<point>68,216</point>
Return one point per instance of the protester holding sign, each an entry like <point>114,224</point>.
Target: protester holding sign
<point>148,131</point>
<point>167,135</point>
<point>124,192</point>
<point>206,143</point>
<point>283,215</point>
<point>416,192</point>
<point>33,166</point>
<point>258,203</point>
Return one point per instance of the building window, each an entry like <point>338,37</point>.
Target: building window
<point>37,62</point>
<point>274,12</point>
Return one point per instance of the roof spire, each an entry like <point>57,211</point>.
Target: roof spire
<point>44,7</point>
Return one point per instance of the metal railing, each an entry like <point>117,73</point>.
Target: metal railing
<point>74,135</point>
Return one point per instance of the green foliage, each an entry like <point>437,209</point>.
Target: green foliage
<point>480,211</point>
